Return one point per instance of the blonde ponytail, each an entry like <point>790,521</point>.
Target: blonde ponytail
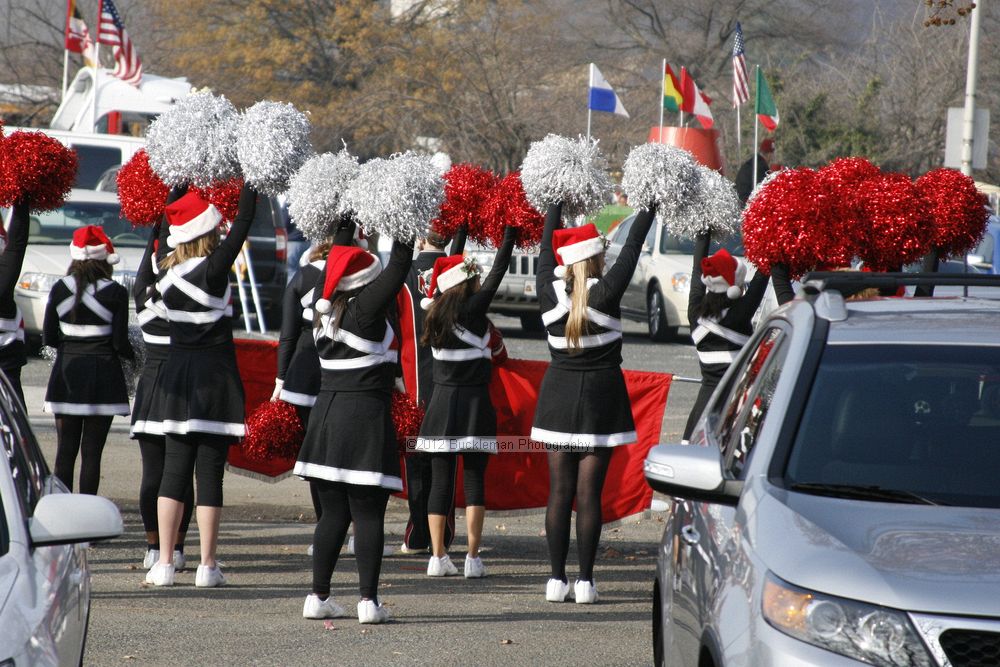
<point>576,284</point>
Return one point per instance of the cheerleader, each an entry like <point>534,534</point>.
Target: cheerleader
<point>460,418</point>
<point>199,386</point>
<point>722,315</point>
<point>86,320</point>
<point>583,406</point>
<point>13,354</point>
<point>350,449</point>
<point>298,378</point>
<point>147,418</point>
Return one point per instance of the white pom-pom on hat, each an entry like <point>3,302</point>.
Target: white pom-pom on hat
<point>734,292</point>
<point>323,306</point>
<point>113,258</point>
<point>426,303</point>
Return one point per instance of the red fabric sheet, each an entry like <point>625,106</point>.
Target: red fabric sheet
<point>515,480</point>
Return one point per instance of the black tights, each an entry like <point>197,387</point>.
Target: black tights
<point>442,494</point>
<point>152,449</point>
<point>342,503</point>
<point>580,475</point>
<point>85,435</point>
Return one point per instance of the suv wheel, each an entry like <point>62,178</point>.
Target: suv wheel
<point>656,317</point>
<point>532,322</point>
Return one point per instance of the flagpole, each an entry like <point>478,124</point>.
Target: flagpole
<point>663,93</point>
<point>65,72</point>
<point>739,138</point>
<point>97,66</point>
<point>590,84</point>
<point>756,122</point>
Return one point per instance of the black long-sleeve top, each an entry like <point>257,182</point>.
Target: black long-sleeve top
<point>12,350</point>
<point>423,262</point>
<point>205,320</point>
<point>736,321</point>
<point>472,319</point>
<point>783,290</point>
<point>365,317</point>
<point>86,329</point>
<point>604,295</point>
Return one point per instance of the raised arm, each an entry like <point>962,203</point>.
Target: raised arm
<point>373,301</point>
<point>458,245</point>
<point>479,302</point>
<point>144,275</point>
<point>345,232</point>
<point>546,256</point>
<point>696,289</point>
<point>13,256</point>
<point>616,280</point>
<point>783,290</point>
<point>221,260</point>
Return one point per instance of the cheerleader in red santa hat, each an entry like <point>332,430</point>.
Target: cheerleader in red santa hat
<point>460,418</point>
<point>350,451</point>
<point>199,386</point>
<point>583,406</point>
<point>721,314</point>
<point>86,320</point>
<point>13,244</point>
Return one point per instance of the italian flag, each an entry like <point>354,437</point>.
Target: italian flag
<point>695,101</point>
<point>672,98</point>
<point>766,109</point>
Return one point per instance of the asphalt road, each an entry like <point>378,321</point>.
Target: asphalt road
<point>266,528</point>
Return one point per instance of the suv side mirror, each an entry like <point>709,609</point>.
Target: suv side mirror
<point>692,472</point>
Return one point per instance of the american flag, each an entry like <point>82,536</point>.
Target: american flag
<point>741,80</point>
<point>111,30</point>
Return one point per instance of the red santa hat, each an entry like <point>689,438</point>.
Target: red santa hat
<point>449,272</point>
<point>347,268</point>
<point>91,242</point>
<point>723,274</point>
<point>189,217</point>
<point>576,244</point>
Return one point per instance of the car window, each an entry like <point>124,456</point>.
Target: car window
<point>57,226</point>
<point>739,416</point>
<point>651,238</point>
<point>621,232</point>
<point>264,216</point>
<point>920,419</point>
<point>93,162</point>
<point>671,244</point>
<point>28,467</point>
<point>985,250</point>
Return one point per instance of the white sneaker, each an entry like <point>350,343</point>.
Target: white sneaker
<point>179,560</point>
<point>585,592</point>
<point>152,556</point>
<point>160,574</point>
<point>309,551</point>
<point>370,612</point>
<point>474,567</point>
<point>407,551</point>
<point>441,567</point>
<point>556,590</point>
<point>316,608</point>
<point>209,577</point>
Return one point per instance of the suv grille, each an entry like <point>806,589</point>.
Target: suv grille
<point>971,648</point>
<point>523,265</point>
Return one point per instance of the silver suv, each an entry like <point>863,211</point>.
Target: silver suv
<point>841,496</point>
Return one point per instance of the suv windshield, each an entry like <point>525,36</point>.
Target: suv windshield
<point>56,227</point>
<point>898,420</point>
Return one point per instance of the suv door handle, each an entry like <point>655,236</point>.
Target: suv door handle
<point>690,535</point>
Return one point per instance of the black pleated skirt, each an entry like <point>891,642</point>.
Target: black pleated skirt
<point>86,384</point>
<point>459,419</point>
<point>200,391</point>
<point>147,407</point>
<point>583,409</point>
<point>351,439</point>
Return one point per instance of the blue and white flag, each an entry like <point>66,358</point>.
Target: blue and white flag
<point>602,95</point>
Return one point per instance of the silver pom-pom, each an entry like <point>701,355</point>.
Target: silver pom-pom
<point>396,197</point>
<point>315,191</point>
<point>663,175</point>
<point>714,208</point>
<point>49,353</point>
<point>442,161</point>
<point>132,368</point>
<point>194,141</point>
<point>574,172</point>
<point>272,144</point>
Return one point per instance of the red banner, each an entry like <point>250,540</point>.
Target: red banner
<point>514,480</point>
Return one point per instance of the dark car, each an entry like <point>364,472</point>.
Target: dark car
<point>268,241</point>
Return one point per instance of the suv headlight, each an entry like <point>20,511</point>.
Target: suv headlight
<point>38,282</point>
<point>866,632</point>
<point>681,282</point>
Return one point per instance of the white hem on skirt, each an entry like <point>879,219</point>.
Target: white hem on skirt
<point>457,445</point>
<point>84,409</point>
<point>295,398</point>
<point>583,439</point>
<point>359,477</point>
<point>190,426</point>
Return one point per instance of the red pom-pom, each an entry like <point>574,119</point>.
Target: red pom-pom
<point>789,222</point>
<point>508,205</point>
<point>843,180</point>
<point>899,228</point>
<point>225,196</point>
<point>957,208</point>
<point>141,192</point>
<point>36,165</point>
<point>407,417</point>
<point>273,431</point>
<point>465,188</point>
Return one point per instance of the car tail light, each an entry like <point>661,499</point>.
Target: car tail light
<point>281,244</point>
